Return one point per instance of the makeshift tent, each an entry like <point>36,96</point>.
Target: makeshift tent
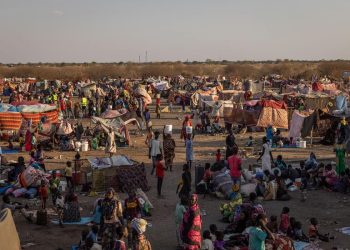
<point>9,238</point>
<point>260,113</point>
<point>110,114</point>
<point>10,120</point>
<point>204,95</point>
<point>118,126</point>
<point>87,88</point>
<point>161,85</point>
<point>273,113</point>
<point>118,172</point>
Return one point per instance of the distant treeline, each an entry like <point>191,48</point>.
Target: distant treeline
<point>239,69</point>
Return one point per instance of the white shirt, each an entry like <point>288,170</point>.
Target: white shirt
<point>155,147</point>
<point>207,245</point>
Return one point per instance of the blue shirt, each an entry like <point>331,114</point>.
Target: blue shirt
<point>257,239</point>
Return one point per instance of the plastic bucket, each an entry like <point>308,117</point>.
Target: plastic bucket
<point>168,129</point>
<point>85,146</point>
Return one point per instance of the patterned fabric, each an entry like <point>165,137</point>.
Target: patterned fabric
<point>108,237</point>
<point>276,117</point>
<point>71,212</point>
<point>191,225</point>
<point>169,151</point>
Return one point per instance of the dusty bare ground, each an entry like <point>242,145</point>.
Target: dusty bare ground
<point>332,209</point>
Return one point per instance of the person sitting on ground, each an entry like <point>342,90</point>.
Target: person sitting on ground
<point>284,223</point>
<point>329,176</point>
<point>292,173</point>
<point>207,243</point>
<point>314,233</point>
<point>213,230</point>
<point>250,142</point>
<point>82,242</point>
<point>122,234</point>
<point>277,139</point>
<point>93,233</point>
<point>91,245</point>
<point>280,163</point>
<point>17,206</point>
<point>343,183</point>
<point>299,235</point>
<point>291,228</point>
<point>272,224</point>
<point>311,162</point>
<point>219,243</point>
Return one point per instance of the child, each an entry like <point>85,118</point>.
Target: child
<point>207,243</point>
<point>159,173</point>
<point>59,208</point>
<point>44,193</point>
<point>272,224</point>
<point>298,232</point>
<point>213,229</point>
<point>219,242</point>
<point>250,142</point>
<point>218,155</point>
<point>291,228</point>
<point>208,175</point>
<point>313,231</point>
<point>69,174</point>
<point>329,176</point>
<point>284,224</point>
<point>259,233</point>
<point>122,233</point>
<point>83,238</point>
<point>93,233</point>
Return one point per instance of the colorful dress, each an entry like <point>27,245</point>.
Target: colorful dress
<point>340,153</point>
<point>169,151</point>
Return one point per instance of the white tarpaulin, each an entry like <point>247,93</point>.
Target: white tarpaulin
<point>162,85</point>
<point>114,161</point>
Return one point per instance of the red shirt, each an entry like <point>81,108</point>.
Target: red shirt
<point>63,105</point>
<point>234,163</point>
<point>158,101</point>
<point>218,156</point>
<point>159,169</point>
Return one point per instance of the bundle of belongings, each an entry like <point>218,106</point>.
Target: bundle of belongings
<point>27,183</point>
<point>119,172</point>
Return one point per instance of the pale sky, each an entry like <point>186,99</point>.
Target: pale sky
<point>170,30</point>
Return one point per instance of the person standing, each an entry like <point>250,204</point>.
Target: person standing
<point>169,151</point>
<point>69,174</point>
<point>111,147</point>
<point>112,215</point>
<point>192,225</point>
<point>230,143</point>
<point>160,174</point>
<point>179,214</point>
<point>186,181</point>
<point>155,150</point>
<point>84,104</point>
<point>235,165</point>
<point>189,150</point>
<point>266,155</point>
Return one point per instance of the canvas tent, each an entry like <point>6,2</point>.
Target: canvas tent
<point>9,238</point>
<point>260,113</point>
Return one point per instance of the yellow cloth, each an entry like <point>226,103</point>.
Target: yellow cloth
<point>84,101</point>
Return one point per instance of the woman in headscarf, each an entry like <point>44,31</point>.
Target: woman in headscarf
<point>112,216</point>
<point>169,150</point>
<point>192,225</point>
<point>140,241</point>
<point>71,209</point>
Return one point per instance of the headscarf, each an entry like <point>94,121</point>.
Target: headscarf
<point>139,225</point>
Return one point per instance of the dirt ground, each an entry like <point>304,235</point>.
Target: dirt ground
<point>331,209</point>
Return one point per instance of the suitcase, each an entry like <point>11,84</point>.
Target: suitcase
<point>41,217</point>
<point>199,173</point>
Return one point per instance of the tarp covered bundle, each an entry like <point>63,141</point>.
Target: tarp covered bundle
<point>273,114</point>
<point>141,92</point>
<point>10,120</point>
